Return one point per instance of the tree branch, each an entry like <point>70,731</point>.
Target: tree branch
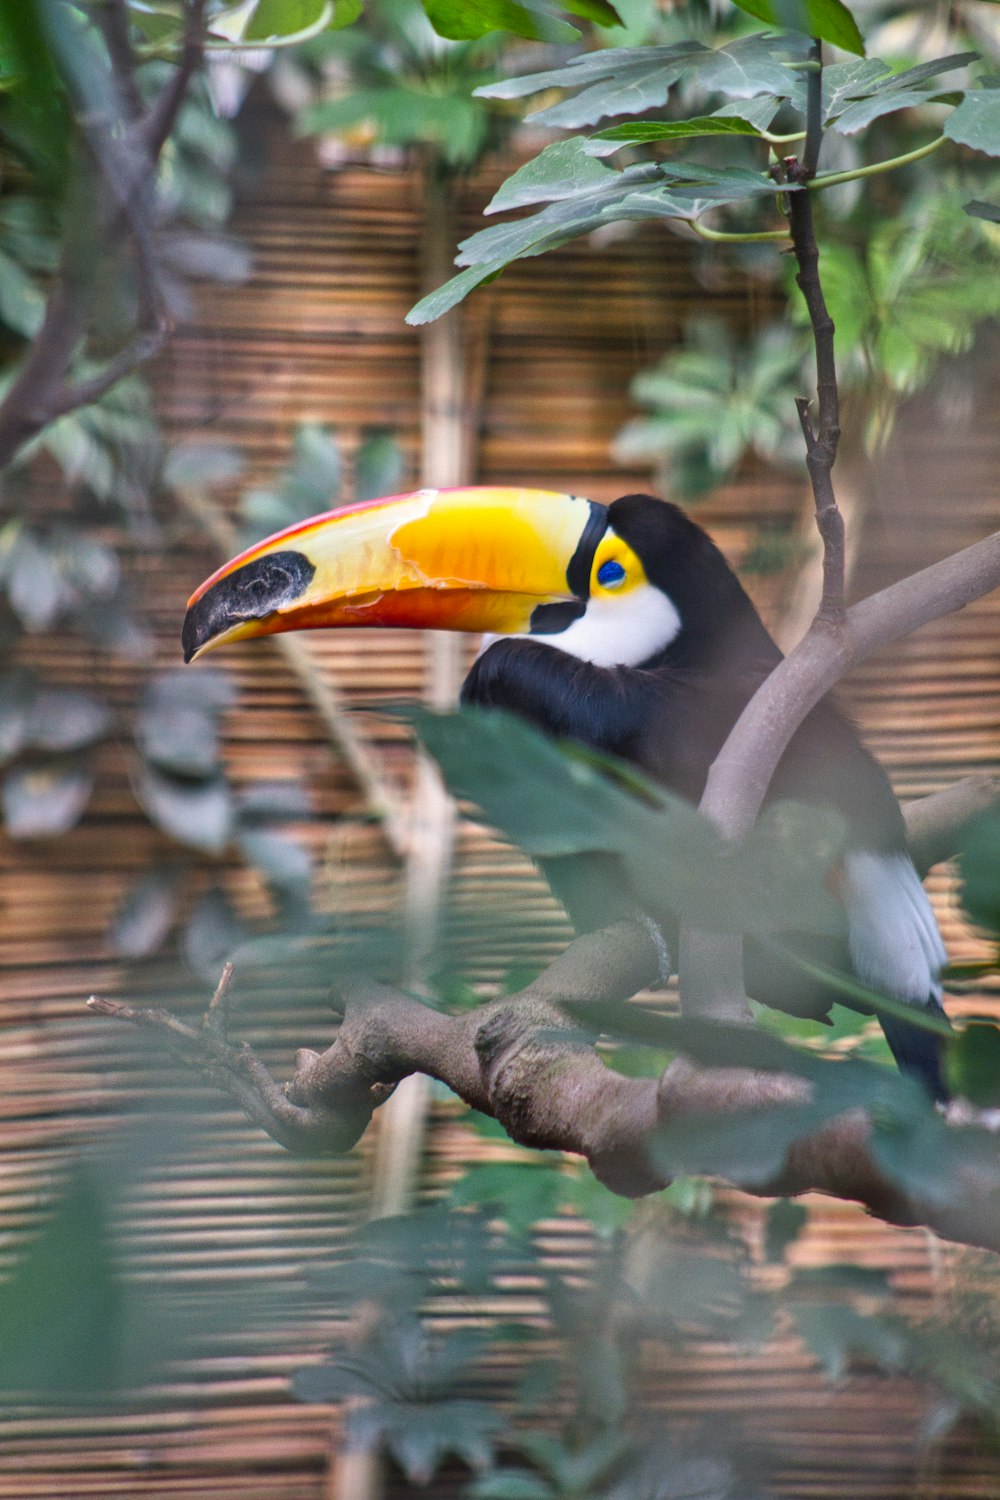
<point>934,823</point>
<point>738,781</point>
<point>821,443</point>
<point>112,19</point>
<point>520,1059</point>
<point>159,122</point>
<point>126,160</point>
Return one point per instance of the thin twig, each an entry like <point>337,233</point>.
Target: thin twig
<point>159,122</point>
<point>217,1015</point>
<point>823,440</point>
<point>73,395</point>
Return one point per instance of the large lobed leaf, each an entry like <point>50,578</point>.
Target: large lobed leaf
<point>556,801</point>
<point>630,80</point>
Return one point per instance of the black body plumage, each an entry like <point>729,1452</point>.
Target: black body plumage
<point>670,716</point>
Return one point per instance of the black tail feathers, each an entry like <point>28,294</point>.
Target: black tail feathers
<point>918,1052</point>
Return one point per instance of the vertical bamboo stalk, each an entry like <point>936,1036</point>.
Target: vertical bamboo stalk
<point>452,380</point>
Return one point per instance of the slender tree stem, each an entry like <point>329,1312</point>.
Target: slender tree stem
<point>814,111</point>
<point>823,439</point>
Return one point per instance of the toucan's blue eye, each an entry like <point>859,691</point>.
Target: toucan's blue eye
<point>611,574</point>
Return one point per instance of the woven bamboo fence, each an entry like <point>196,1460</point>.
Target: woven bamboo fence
<point>214,1210</point>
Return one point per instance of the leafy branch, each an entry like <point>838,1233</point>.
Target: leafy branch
<point>123,150</point>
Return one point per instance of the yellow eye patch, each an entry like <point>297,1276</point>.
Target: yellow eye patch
<point>616,568</point>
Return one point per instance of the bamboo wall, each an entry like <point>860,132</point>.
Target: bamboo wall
<point>214,1211</point>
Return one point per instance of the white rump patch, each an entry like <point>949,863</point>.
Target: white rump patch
<point>893,937</point>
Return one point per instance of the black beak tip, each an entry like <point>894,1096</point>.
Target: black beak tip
<point>249,593</point>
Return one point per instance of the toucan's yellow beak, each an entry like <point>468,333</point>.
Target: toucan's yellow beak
<point>478,559</point>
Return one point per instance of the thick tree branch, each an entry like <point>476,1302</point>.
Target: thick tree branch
<point>520,1059</point>
<point>738,781</point>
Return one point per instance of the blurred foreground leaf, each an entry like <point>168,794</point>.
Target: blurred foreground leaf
<point>61,1310</point>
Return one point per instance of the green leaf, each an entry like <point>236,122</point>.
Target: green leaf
<point>974,1064</point>
<point>630,80</point>
<point>22,303</point>
<point>272,801</point>
<point>379,465</point>
<point>284,864</point>
<point>549,800</point>
<point>65,719</point>
<point>196,813</point>
<point>828,19</point>
<point>843,1276</point>
<point>563,170</point>
<point>976,122</point>
<point>180,739</point>
<point>61,1311</point>
<point>979,869</point>
<point>193,465</point>
<point>925,1156</point>
<point>510,1484</point>
<point>556,801</point>
<point>749,1148</point>
<point>519,1192</point>
<point>466,20</point>
<point>864,112</point>
<point>212,932</point>
<point>345,13</point>
<point>282,18</point>
<point>206,688</point>
<point>145,918</point>
<point>36,589</point>
<point>43,798</point>
<point>601,12</point>
<point>447,296</point>
<point>835,1332</point>
<point>782,1227</point>
<point>977,209</point>
<point>555,224</point>
<point>642,132</point>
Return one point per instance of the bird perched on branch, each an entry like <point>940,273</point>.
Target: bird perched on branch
<point>623,628</point>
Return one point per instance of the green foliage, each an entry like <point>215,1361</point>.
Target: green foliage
<point>46,739</point>
<point>411,1385</point>
<point>714,399</point>
<point>61,1311</point>
<point>828,19</point>
<point>393,81</point>
<point>556,800</point>
<point>979,869</point>
<point>901,299</point>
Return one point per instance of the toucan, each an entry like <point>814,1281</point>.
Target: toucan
<point>623,628</point>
